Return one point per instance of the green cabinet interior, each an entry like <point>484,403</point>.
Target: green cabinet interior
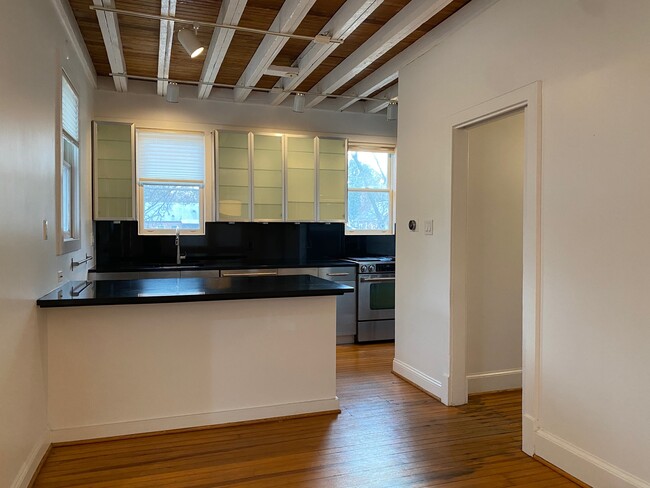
<point>332,179</point>
<point>233,176</point>
<point>113,171</point>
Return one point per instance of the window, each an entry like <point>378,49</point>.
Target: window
<point>370,191</point>
<point>171,178</point>
<point>68,171</point>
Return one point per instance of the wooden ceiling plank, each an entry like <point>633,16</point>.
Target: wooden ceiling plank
<point>287,20</point>
<point>374,106</point>
<point>406,21</point>
<point>168,9</point>
<point>229,13</point>
<point>352,14</point>
<point>112,41</point>
<point>389,72</point>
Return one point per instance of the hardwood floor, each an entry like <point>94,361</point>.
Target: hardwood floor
<point>389,435</point>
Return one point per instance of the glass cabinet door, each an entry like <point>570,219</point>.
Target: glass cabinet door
<point>113,171</point>
<point>301,179</point>
<point>233,176</point>
<point>332,179</point>
<point>268,178</point>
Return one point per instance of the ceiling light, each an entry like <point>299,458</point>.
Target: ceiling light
<point>391,111</point>
<point>299,103</point>
<point>173,91</point>
<point>283,71</point>
<point>190,42</point>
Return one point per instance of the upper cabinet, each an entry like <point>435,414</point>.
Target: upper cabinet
<point>280,178</point>
<point>268,178</point>
<point>113,171</point>
<point>233,175</point>
<point>332,179</point>
<point>301,179</point>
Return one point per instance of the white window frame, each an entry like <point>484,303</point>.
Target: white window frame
<point>142,182</point>
<point>360,147</point>
<point>68,241</point>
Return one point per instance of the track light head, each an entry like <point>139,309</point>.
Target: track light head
<point>391,111</point>
<point>190,42</point>
<point>173,90</point>
<point>299,102</point>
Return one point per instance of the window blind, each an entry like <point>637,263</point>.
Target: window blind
<point>69,110</point>
<point>176,156</point>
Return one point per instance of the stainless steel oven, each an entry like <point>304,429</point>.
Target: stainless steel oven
<point>375,299</point>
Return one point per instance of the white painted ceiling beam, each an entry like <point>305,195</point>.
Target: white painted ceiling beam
<point>287,20</point>
<point>111,35</point>
<point>389,71</point>
<point>168,9</point>
<point>374,106</point>
<point>401,25</point>
<point>229,14</point>
<point>352,14</point>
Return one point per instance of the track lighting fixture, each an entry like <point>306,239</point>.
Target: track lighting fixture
<point>173,90</point>
<point>391,111</point>
<point>190,42</point>
<point>299,103</point>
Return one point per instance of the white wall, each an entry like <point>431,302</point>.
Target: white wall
<point>141,104</point>
<point>494,253</point>
<point>592,59</point>
<point>33,51</point>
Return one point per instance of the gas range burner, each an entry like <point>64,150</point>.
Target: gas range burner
<point>375,259</point>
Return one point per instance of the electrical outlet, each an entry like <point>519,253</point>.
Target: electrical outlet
<point>59,276</point>
<point>428,227</point>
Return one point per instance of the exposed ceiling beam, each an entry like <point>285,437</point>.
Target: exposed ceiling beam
<point>401,25</point>
<point>374,106</point>
<point>388,72</point>
<point>287,20</point>
<point>352,14</point>
<point>229,13</point>
<point>167,8</point>
<point>111,35</point>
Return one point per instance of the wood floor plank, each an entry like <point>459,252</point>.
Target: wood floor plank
<point>388,434</point>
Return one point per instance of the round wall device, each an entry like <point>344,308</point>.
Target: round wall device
<point>412,225</point>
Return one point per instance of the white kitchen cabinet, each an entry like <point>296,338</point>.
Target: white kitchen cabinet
<point>268,178</point>
<point>332,179</point>
<point>113,171</point>
<point>233,176</point>
<point>301,179</point>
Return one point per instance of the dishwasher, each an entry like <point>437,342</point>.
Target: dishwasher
<point>346,304</point>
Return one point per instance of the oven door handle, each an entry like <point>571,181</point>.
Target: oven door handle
<point>370,280</point>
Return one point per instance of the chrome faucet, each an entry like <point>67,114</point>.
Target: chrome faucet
<point>179,257</point>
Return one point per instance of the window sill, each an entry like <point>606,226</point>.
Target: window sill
<point>68,245</point>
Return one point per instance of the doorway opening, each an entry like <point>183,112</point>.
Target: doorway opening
<point>495,251</point>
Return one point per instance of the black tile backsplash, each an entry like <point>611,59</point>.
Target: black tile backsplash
<point>119,245</point>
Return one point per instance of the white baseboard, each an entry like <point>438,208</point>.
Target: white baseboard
<point>30,465</point>
<point>507,379</point>
<point>425,382</point>
<point>579,463</point>
<point>197,420</point>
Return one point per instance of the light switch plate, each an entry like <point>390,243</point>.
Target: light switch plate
<point>428,227</point>
<point>45,230</point>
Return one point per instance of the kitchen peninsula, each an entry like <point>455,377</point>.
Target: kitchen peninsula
<point>136,356</point>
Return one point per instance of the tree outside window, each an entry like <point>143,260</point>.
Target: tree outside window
<point>369,192</point>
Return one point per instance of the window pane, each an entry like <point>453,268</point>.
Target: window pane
<point>69,110</point>
<point>368,211</point>
<point>66,200</point>
<point>368,170</point>
<point>171,206</point>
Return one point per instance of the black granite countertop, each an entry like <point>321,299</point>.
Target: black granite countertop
<point>224,264</point>
<point>169,290</point>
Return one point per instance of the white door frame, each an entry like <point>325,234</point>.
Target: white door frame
<point>527,98</point>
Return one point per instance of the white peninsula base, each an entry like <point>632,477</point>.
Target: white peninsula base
<point>125,369</point>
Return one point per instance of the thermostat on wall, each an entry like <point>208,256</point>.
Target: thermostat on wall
<point>413,225</point>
